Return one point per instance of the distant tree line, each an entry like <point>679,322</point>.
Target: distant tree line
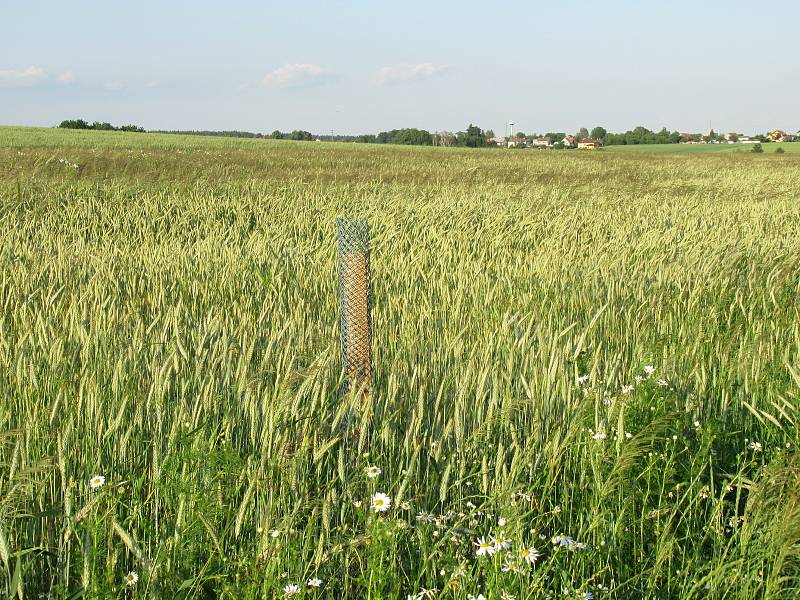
<point>475,137</point>
<point>407,137</point>
<point>98,126</point>
<point>642,135</point>
<point>298,135</point>
<point>236,134</point>
<point>472,137</point>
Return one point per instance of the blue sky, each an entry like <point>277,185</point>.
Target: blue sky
<point>353,67</point>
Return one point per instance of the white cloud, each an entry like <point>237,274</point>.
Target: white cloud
<point>294,76</point>
<point>66,77</point>
<point>29,76</point>
<point>404,73</point>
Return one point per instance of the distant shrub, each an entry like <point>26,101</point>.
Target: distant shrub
<point>98,126</point>
<point>779,151</point>
<point>757,149</point>
<point>300,136</point>
<point>74,124</point>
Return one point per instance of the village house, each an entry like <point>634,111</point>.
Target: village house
<point>569,141</point>
<point>589,144</point>
<point>499,141</point>
<point>777,136</point>
<point>542,142</point>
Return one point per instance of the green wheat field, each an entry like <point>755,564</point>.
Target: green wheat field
<point>587,372</point>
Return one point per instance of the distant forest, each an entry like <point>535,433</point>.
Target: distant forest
<point>235,134</point>
<point>473,136</point>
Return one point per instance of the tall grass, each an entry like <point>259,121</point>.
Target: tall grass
<point>170,322</point>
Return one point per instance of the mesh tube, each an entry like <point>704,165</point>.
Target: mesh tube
<point>355,302</point>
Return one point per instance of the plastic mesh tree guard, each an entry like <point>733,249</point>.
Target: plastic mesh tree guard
<point>355,302</point>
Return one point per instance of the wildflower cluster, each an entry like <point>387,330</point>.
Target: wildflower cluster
<point>567,542</point>
<point>523,555</point>
<point>66,163</point>
<point>647,372</point>
<point>292,589</point>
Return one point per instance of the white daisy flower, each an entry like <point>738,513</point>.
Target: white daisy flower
<point>627,389</point>
<point>562,540</point>
<point>504,595</point>
<point>501,522</point>
<point>274,533</point>
<point>649,369</point>
<point>291,589</point>
<point>662,382</point>
<point>485,547</point>
<point>599,436</point>
<point>501,542</point>
<point>314,582</point>
<point>372,472</point>
<point>510,566</point>
<point>638,379</point>
<point>381,502</point>
<point>529,554</point>
<point>582,379</point>
<point>97,481</point>
<point>131,578</point>
<point>756,446</point>
<point>478,597</point>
